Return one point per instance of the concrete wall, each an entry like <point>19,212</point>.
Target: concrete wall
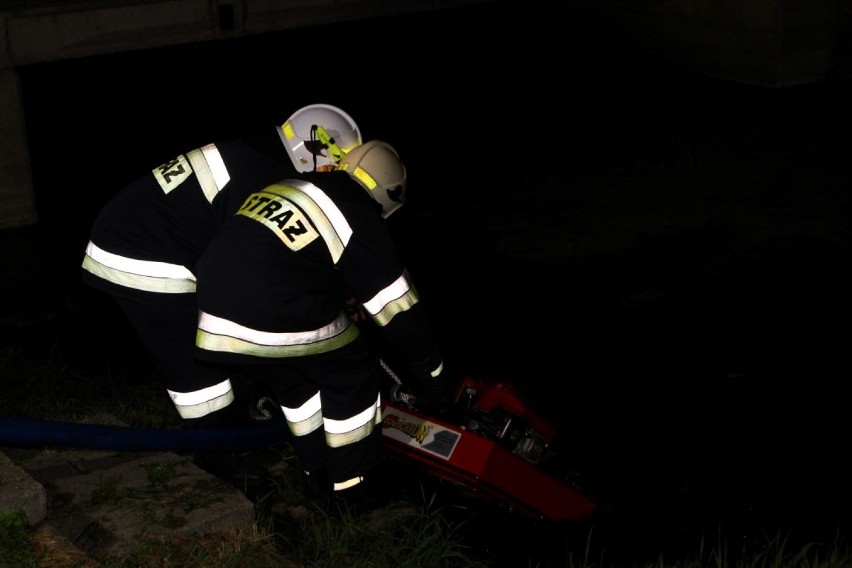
<point>771,43</point>
<point>43,31</point>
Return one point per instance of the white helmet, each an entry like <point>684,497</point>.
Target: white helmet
<point>319,135</point>
<point>376,166</point>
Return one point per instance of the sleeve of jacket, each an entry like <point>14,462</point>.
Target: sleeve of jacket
<point>377,276</point>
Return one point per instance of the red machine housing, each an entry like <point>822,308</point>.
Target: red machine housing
<point>495,452</point>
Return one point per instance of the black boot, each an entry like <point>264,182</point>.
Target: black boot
<point>316,486</point>
<point>377,489</point>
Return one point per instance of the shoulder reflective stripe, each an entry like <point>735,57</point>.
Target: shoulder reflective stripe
<point>328,219</point>
<point>342,432</point>
<point>218,334</point>
<point>105,265</point>
<point>281,216</point>
<point>398,297</point>
<point>209,169</point>
<point>338,221</point>
<point>171,174</point>
<point>217,165</point>
<point>204,401</point>
<point>305,419</point>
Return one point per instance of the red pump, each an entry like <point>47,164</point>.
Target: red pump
<point>493,447</point>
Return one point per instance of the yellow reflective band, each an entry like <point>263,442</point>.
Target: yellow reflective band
<point>287,128</point>
<point>333,149</point>
<point>342,432</point>
<point>305,427</point>
<point>204,408</point>
<point>389,293</point>
<point>324,215</point>
<point>138,274</point>
<point>217,334</point>
<point>348,483</point>
<point>398,306</point>
<point>305,419</point>
<point>204,401</point>
<point>152,268</point>
<point>212,342</point>
<point>209,169</point>
<point>308,409</point>
<point>365,178</point>
<point>346,438</point>
<point>398,297</point>
<point>201,395</point>
<point>438,370</point>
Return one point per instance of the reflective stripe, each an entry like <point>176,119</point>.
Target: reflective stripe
<point>342,432</point>
<point>400,296</point>
<point>335,217</point>
<point>306,418</point>
<point>348,483</point>
<point>148,275</point>
<point>210,170</point>
<point>202,402</point>
<point>218,334</point>
<point>308,409</point>
<point>437,370</point>
<point>326,217</point>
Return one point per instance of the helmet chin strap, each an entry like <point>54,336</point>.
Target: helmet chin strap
<point>318,133</point>
<point>313,139</point>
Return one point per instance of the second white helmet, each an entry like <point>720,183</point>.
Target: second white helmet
<point>377,167</point>
<point>319,135</point>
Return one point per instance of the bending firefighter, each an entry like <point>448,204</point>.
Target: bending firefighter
<point>273,288</point>
<point>146,241</point>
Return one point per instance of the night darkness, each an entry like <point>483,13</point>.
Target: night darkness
<point>659,258</point>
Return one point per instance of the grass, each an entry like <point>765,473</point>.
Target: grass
<point>38,382</point>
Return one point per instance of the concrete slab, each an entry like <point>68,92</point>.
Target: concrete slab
<point>107,502</point>
<point>20,491</point>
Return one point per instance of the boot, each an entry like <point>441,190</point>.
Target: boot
<point>378,488</point>
<point>316,486</point>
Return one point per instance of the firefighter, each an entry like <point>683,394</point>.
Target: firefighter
<point>273,287</point>
<point>145,242</point>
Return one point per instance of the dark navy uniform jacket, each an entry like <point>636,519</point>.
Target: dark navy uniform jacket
<point>149,236</point>
<point>273,282</point>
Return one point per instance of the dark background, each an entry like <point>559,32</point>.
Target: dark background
<point>660,259</point>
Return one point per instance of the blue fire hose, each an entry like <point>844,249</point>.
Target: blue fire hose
<point>28,432</point>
